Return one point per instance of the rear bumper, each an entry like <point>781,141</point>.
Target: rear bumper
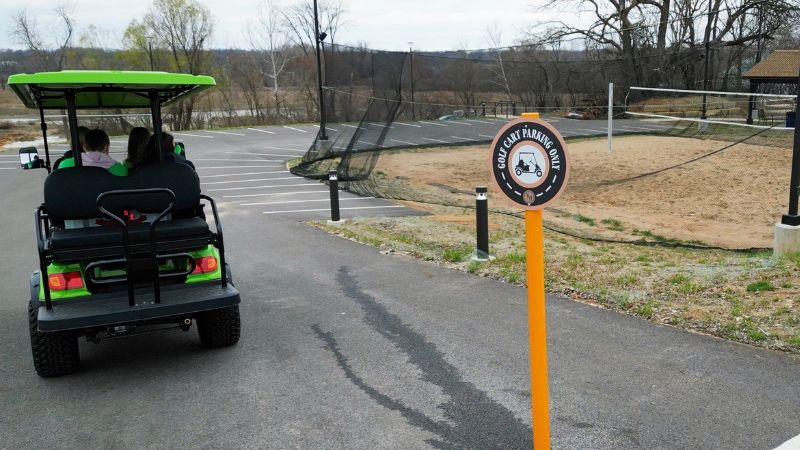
<point>112,309</point>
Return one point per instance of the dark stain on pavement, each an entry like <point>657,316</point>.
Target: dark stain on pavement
<point>474,420</point>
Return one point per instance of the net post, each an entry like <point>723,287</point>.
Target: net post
<point>792,218</point>
<point>481,224</point>
<point>333,181</point>
<point>610,114</point>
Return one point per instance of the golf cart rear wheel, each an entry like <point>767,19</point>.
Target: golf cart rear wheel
<point>219,328</point>
<point>54,353</point>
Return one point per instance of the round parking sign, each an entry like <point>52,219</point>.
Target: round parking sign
<point>530,163</point>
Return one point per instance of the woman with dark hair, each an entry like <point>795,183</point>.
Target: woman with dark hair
<point>150,153</point>
<point>137,143</point>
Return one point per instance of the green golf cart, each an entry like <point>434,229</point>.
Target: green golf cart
<point>120,255</point>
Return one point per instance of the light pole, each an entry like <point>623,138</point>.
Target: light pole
<point>150,50</point>
<point>707,60</point>
<point>411,61</point>
<point>319,37</point>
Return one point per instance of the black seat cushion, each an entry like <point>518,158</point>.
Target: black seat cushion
<point>71,193</point>
<point>138,233</point>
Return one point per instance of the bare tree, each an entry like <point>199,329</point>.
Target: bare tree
<point>462,78</point>
<point>299,21</point>
<point>269,36</point>
<point>50,54</point>
<point>494,36</point>
<point>182,28</point>
<point>667,33</point>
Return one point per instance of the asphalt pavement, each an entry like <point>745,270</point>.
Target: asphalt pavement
<point>345,347</point>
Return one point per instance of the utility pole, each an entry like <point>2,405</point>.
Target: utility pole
<point>758,41</point>
<point>411,60</point>
<point>150,50</point>
<point>318,37</point>
<point>707,60</point>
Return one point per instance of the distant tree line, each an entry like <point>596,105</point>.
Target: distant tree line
<point>557,65</point>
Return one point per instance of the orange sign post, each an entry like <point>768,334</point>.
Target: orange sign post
<point>530,166</point>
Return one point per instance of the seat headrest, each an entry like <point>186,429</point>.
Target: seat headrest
<point>71,193</point>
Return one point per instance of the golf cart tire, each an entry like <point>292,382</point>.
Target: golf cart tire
<point>54,354</point>
<point>219,327</point>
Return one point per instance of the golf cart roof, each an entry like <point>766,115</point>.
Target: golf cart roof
<point>103,89</point>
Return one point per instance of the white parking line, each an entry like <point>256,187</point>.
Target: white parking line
<point>295,129</point>
<point>486,136</point>
<point>465,139</point>
<point>461,123</point>
<point>262,131</point>
<point>251,181</point>
<point>408,124</point>
<point>264,187</point>
<point>242,153</point>
<point>328,209</point>
<point>225,132</point>
<point>350,126</point>
<point>403,142</point>
<point>246,173</point>
<point>327,128</point>
<point>274,194</point>
<point>433,123</point>
<point>237,160</point>
<point>287,149</point>
<point>591,131</point>
<point>194,135</point>
<point>370,143</point>
<point>241,167</point>
<point>8,168</point>
<point>639,128</point>
<point>304,201</point>
<point>379,125</point>
<point>436,140</point>
<point>480,121</point>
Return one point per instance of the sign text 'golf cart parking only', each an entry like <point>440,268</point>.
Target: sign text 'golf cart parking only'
<point>530,165</point>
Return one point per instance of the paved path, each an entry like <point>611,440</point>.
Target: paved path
<point>344,347</point>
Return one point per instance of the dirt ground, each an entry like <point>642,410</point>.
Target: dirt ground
<point>731,198</point>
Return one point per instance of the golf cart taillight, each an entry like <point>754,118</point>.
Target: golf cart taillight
<point>64,281</point>
<point>205,264</point>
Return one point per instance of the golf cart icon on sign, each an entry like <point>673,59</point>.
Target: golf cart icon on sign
<point>530,164</point>
<point>524,163</point>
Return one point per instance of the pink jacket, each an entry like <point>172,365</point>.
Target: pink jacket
<point>97,159</point>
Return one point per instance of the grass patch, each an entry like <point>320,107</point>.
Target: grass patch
<point>613,224</point>
<point>584,219</point>
<point>510,275</point>
<point>795,341</point>
<point>646,310</point>
<point>760,286</point>
<point>457,254</point>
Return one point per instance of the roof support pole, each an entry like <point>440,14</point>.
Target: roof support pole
<point>155,112</point>
<point>72,118</point>
<point>44,137</point>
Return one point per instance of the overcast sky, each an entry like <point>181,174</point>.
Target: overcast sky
<point>382,24</point>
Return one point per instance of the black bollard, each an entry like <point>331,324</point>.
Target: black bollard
<point>482,222</point>
<point>334,184</point>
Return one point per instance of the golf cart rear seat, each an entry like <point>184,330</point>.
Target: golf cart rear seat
<point>79,193</point>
